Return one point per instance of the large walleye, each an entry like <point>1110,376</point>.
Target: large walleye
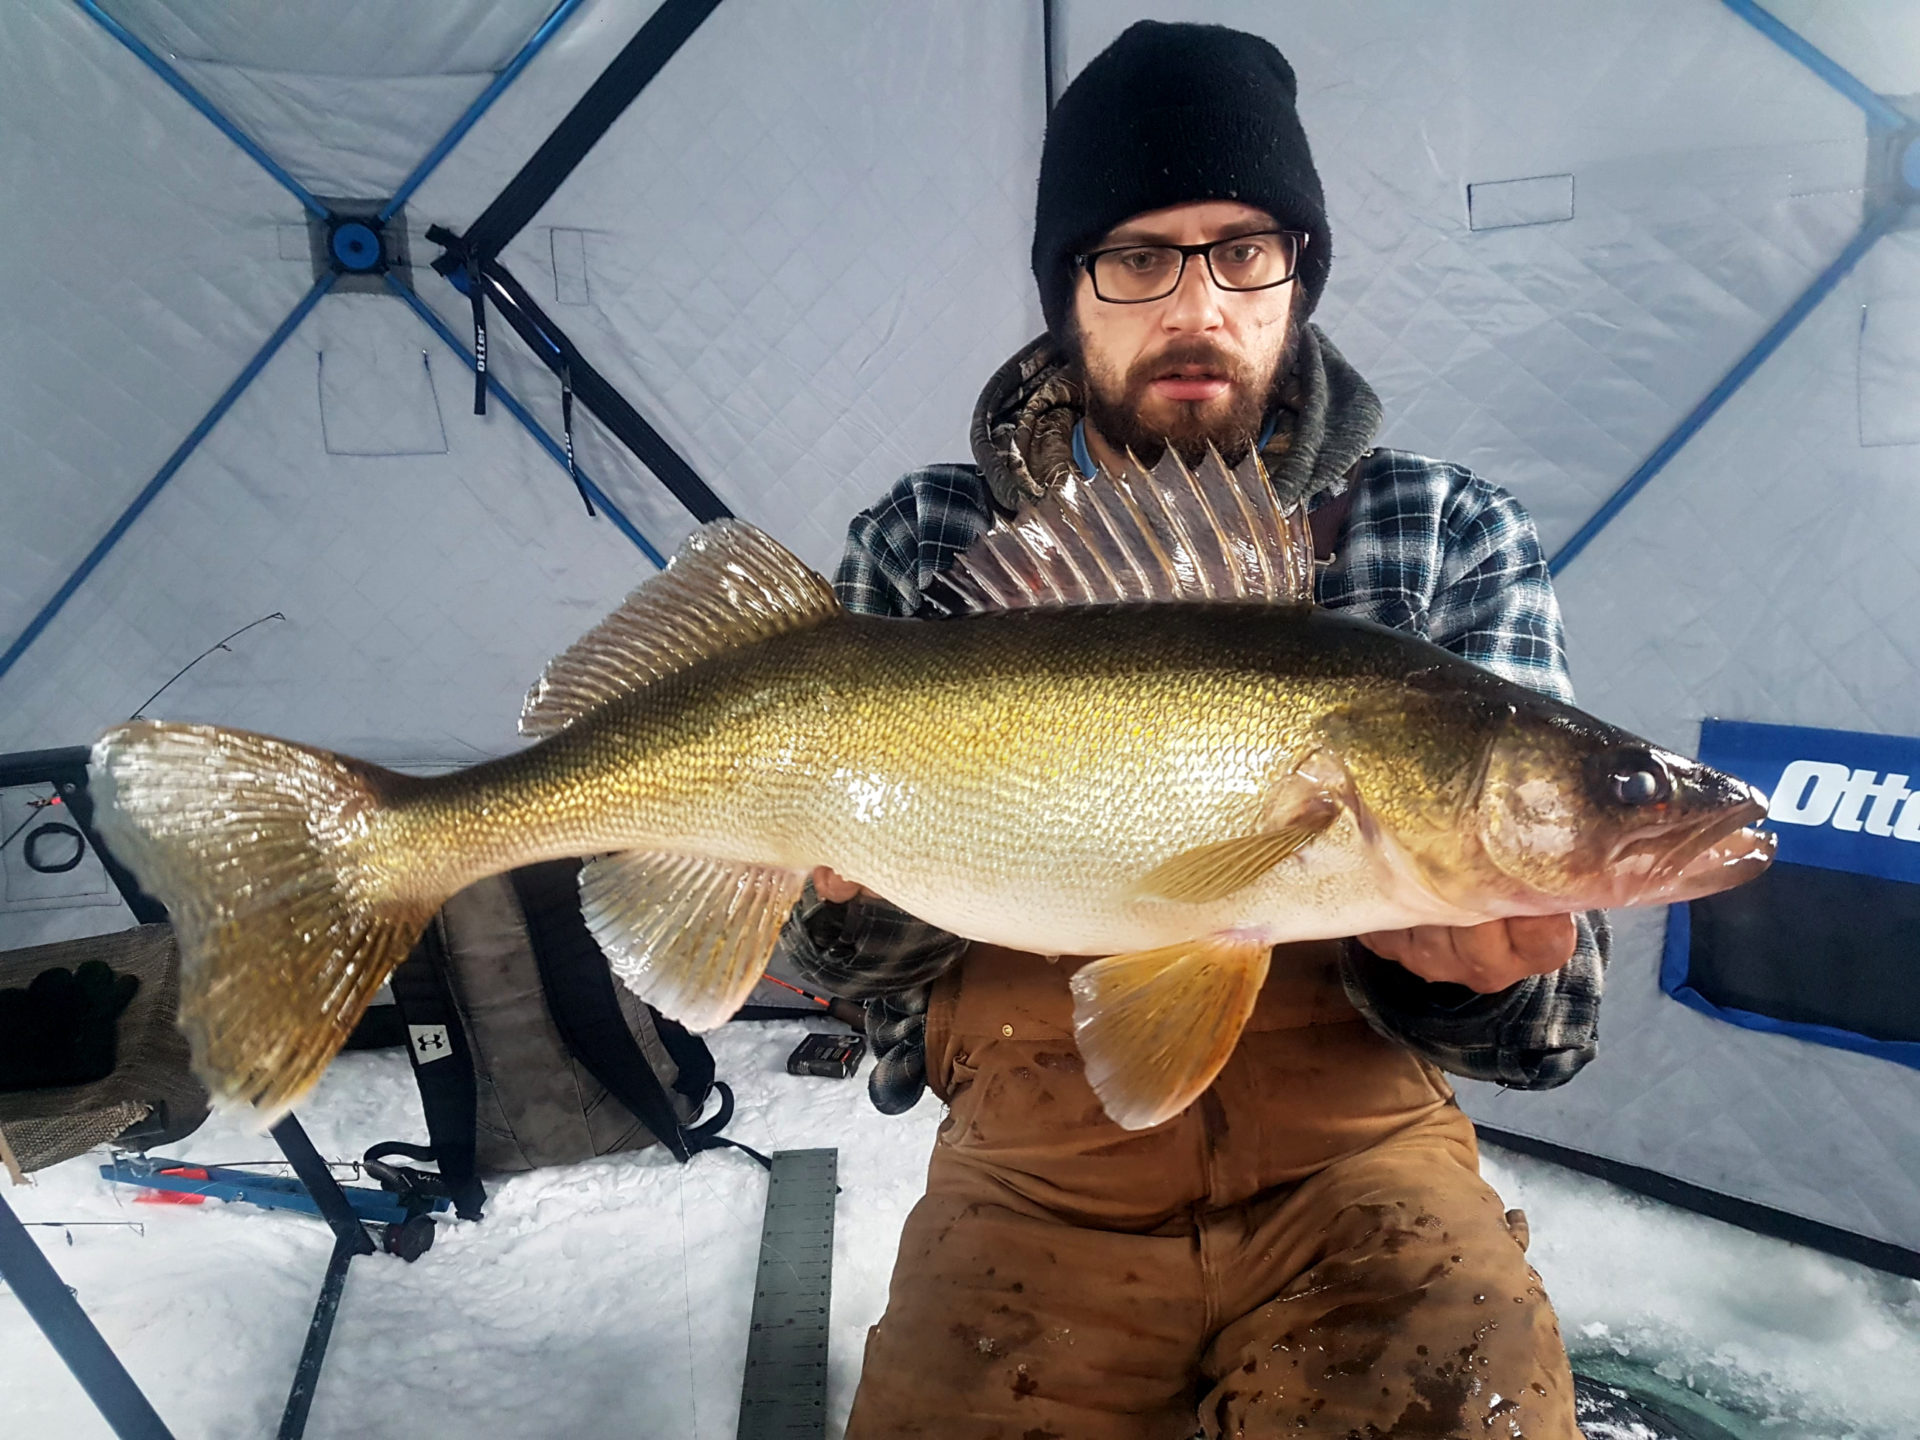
<point>1121,746</point>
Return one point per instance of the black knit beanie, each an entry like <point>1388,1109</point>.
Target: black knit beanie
<point>1168,115</point>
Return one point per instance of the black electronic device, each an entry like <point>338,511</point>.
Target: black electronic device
<point>834,1056</point>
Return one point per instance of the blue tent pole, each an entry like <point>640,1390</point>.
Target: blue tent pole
<point>52,1307</point>
<point>479,107</point>
<point>1877,224</point>
<point>533,426</point>
<point>166,472</point>
<point>1879,112</point>
<point>205,106</point>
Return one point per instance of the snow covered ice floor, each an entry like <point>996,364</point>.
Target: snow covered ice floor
<point>612,1298</point>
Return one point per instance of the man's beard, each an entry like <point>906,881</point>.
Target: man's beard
<point>1114,402</point>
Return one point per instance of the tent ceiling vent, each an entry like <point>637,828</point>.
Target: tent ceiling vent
<point>357,247</point>
<point>1893,167</point>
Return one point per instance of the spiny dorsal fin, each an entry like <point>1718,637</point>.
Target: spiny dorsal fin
<point>1168,534</point>
<point>727,586</point>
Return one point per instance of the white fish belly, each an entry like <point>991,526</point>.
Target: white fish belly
<point>1329,888</point>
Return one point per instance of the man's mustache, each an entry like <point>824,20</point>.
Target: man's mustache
<point>1186,354</point>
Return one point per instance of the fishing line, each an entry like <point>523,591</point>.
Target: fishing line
<point>138,1227</point>
<point>686,1293</point>
<point>27,852</point>
<point>34,807</point>
<point>217,645</point>
<point>745,1221</point>
<point>352,1167</point>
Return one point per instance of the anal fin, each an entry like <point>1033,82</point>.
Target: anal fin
<point>690,936</point>
<point>1155,1026</point>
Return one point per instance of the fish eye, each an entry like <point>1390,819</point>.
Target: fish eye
<point>1641,781</point>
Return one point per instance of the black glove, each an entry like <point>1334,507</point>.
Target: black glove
<point>897,1031</point>
<point>62,1028</point>
<point>874,952</point>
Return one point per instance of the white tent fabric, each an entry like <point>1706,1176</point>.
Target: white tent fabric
<point>799,253</point>
<point>1878,42</point>
<point>1712,178</point>
<point>1767,573</point>
<point>339,94</point>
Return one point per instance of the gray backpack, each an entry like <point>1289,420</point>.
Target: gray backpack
<point>528,1052</point>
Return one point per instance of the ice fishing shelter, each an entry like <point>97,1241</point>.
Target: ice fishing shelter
<point>1650,265</point>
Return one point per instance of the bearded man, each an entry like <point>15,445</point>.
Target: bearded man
<point>1308,1249</point>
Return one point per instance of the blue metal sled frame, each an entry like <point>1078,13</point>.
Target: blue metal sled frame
<point>270,1192</point>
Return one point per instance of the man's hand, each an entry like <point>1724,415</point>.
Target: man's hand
<point>1486,958</point>
<point>829,886</point>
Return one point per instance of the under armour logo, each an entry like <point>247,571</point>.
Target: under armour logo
<point>430,1043</point>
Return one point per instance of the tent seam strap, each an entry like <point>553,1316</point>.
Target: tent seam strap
<point>531,425</point>
<point>165,473</point>
<point>180,85</point>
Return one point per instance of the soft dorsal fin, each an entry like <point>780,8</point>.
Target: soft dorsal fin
<point>1166,534</point>
<point>728,585</point>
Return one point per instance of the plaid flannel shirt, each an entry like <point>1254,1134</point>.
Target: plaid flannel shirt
<point>1427,547</point>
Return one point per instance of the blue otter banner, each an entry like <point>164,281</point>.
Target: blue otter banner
<point>1840,798</point>
<point>1826,945</point>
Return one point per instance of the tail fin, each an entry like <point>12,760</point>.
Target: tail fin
<point>269,857</point>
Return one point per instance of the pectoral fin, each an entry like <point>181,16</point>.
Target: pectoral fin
<point>689,936</point>
<point>1155,1026</point>
<point>1213,872</point>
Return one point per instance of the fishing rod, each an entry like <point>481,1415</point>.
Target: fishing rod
<point>851,1012</point>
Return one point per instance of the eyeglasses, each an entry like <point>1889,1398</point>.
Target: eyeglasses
<point>1135,274</point>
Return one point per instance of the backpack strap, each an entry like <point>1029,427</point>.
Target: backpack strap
<point>706,1135</point>
<point>691,1058</point>
<point>1328,522</point>
<point>695,1062</point>
<point>579,988</point>
<point>442,1067</point>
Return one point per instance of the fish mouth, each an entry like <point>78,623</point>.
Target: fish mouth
<point>1714,854</point>
<point>1735,860</point>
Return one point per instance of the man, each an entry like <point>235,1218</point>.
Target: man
<point>1309,1249</point>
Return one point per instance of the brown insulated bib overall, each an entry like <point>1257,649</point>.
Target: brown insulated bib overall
<point>1307,1251</point>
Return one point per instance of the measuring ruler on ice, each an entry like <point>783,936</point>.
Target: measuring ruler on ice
<point>784,1396</point>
